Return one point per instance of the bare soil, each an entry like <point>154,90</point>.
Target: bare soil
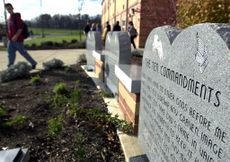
<point>80,139</point>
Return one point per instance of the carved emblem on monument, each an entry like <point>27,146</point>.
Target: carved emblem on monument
<point>201,55</point>
<point>157,45</point>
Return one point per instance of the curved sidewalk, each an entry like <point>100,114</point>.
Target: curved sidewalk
<point>68,56</point>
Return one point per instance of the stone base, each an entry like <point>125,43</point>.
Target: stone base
<point>140,158</point>
<point>129,104</point>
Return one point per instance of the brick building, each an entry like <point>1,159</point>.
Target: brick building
<point>145,14</point>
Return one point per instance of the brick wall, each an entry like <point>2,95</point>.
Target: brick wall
<point>155,13</point>
<point>149,14</point>
<point>129,104</point>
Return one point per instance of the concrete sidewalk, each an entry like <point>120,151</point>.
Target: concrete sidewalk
<point>129,143</point>
<point>68,56</point>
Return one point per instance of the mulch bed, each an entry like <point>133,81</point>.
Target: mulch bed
<point>81,139</point>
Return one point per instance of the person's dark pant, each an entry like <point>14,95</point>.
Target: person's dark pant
<point>18,46</point>
<point>132,41</point>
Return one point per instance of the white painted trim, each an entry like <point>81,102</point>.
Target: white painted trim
<point>124,78</point>
<point>97,55</point>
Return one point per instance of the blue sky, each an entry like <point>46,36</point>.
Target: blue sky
<point>32,8</point>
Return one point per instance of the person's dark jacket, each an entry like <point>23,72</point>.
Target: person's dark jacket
<point>87,29</point>
<point>116,27</point>
<point>108,28</point>
<point>14,23</point>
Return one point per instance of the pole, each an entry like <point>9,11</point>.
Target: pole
<point>4,38</point>
<point>5,14</point>
<point>80,25</point>
<point>42,29</point>
<point>127,15</point>
<point>80,5</point>
<point>5,11</point>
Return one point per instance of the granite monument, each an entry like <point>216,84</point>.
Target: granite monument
<point>185,94</point>
<point>117,51</point>
<point>93,43</point>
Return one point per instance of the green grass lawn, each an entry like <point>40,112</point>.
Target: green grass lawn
<point>2,48</point>
<point>58,39</point>
<point>66,35</point>
<point>48,31</point>
<point>53,35</point>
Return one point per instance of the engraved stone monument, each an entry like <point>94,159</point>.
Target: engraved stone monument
<point>185,94</point>
<point>93,43</point>
<point>14,155</point>
<point>117,51</point>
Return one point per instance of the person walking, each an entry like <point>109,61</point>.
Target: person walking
<point>87,28</point>
<point>15,37</point>
<point>93,27</point>
<point>108,27</point>
<point>132,33</point>
<point>98,27</point>
<point>117,27</point>
<point>106,30</point>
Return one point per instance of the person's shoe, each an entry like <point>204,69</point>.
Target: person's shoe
<point>9,66</point>
<point>34,66</point>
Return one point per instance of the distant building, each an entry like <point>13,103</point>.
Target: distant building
<point>145,14</point>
